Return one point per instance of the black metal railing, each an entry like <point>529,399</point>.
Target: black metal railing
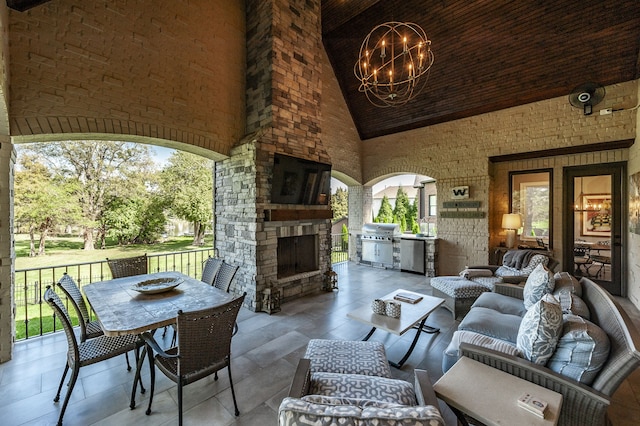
<point>33,316</point>
<point>339,248</point>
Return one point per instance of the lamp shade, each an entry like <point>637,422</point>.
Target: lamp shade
<point>511,221</point>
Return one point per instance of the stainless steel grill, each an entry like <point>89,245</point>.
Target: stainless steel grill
<point>380,231</point>
<point>377,242</point>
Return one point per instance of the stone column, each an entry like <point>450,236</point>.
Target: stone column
<point>7,251</point>
<point>360,212</point>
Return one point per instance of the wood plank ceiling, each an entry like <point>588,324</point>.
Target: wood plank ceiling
<point>489,55</point>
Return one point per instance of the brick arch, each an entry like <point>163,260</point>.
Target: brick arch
<point>176,143</point>
<point>389,174</point>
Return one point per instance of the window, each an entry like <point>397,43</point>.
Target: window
<point>433,205</point>
<point>531,197</point>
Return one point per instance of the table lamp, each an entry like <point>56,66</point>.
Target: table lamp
<point>511,222</point>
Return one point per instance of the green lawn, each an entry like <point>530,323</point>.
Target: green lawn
<point>36,315</point>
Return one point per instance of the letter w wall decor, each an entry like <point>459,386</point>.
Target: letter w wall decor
<point>460,192</point>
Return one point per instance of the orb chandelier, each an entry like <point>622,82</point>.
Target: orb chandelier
<point>393,64</point>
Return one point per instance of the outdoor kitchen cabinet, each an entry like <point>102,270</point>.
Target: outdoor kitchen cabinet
<point>412,255</point>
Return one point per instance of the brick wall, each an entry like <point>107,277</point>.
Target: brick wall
<point>4,69</point>
<point>174,71</point>
<point>633,254</point>
<point>7,252</point>
<point>456,153</point>
<point>339,134</point>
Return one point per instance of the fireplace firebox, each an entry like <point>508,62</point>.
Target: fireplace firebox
<point>297,255</point>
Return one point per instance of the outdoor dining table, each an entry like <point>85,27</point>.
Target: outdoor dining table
<point>122,306</point>
<point>140,303</point>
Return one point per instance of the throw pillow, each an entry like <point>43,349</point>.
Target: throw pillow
<point>358,402</point>
<point>540,329</point>
<point>362,387</point>
<point>535,261</point>
<point>571,303</point>
<point>582,350</point>
<point>564,280</point>
<point>539,282</point>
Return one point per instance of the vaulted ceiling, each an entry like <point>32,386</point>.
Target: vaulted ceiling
<point>489,54</point>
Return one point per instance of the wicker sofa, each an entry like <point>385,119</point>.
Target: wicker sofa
<point>349,383</point>
<point>482,337</point>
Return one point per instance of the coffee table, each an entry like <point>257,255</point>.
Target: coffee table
<point>413,315</point>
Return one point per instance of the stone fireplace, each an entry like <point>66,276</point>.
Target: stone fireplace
<point>297,255</point>
<point>283,115</point>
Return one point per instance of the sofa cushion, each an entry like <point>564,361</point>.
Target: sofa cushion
<point>492,323</point>
<point>487,282</point>
<point>294,411</point>
<point>362,387</point>
<point>538,259</point>
<point>571,303</point>
<point>540,329</point>
<point>582,350</point>
<point>452,353</point>
<point>501,303</point>
<point>348,356</point>
<point>539,282</point>
<point>564,280</point>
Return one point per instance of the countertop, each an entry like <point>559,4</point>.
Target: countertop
<point>416,237</point>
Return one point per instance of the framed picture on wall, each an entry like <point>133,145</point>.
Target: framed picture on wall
<point>596,217</point>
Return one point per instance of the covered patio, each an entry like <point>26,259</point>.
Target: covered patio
<point>265,353</point>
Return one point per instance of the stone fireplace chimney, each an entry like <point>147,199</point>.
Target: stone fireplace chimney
<point>283,116</point>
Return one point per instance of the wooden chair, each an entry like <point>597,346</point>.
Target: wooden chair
<point>88,329</point>
<point>128,266</point>
<point>91,351</point>
<point>204,347</point>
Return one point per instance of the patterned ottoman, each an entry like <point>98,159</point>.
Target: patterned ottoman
<point>348,357</point>
<point>459,293</point>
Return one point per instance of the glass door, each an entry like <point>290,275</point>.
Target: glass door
<point>593,232</point>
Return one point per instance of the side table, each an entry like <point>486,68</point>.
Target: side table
<point>491,395</point>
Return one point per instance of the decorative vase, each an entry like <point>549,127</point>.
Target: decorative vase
<point>378,307</point>
<point>392,309</point>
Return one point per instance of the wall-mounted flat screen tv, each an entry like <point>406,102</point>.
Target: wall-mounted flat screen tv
<point>299,181</point>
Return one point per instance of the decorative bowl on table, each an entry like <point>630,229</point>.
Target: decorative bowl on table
<point>157,285</point>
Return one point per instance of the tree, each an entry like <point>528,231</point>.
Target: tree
<point>138,220</point>
<point>401,209</point>
<point>99,170</point>
<point>187,185</point>
<point>340,203</point>
<point>345,237</point>
<point>385,214</point>
<point>35,188</point>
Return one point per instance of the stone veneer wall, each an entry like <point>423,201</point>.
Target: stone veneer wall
<point>284,86</point>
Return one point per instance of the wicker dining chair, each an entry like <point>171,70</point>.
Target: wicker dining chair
<point>91,351</point>
<point>224,276</point>
<point>210,270</point>
<point>88,329</point>
<point>128,266</point>
<point>204,347</point>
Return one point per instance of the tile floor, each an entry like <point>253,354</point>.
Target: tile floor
<point>265,353</point>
